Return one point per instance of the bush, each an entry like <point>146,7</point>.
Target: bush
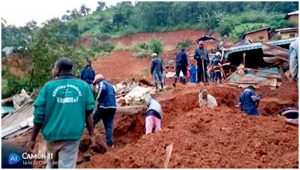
<point>107,47</point>
<point>12,84</point>
<point>184,44</point>
<point>143,53</point>
<point>156,46</point>
<point>143,46</point>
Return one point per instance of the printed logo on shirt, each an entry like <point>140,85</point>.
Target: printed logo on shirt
<point>65,94</point>
<point>67,100</point>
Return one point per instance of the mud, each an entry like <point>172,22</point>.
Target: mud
<point>121,65</point>
<point>203,138</point>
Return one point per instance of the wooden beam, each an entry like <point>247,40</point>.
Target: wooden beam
<point>169,150</point>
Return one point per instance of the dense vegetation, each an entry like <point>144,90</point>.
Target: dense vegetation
<point>59,37</point>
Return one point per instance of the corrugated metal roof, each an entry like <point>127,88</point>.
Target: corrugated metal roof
<point>287,29</point>
<point>293,13</point>
<point>255,46</point>
<point>290,14</point>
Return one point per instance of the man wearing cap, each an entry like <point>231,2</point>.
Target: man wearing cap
<point>201,56</point>
<point>106,107</point>
<point>216,67</point>
<point>157,70</point>
<point>181,65</point>
<point>61,110</point>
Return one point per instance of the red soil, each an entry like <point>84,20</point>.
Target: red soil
<point>169,39</point>
<point>120,65</point>
<point>203,138</point>
<point>18,65</point>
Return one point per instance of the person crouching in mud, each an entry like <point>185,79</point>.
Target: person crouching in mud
<point>207,100</point>
<point>249,101</point>
<point>153,115</point>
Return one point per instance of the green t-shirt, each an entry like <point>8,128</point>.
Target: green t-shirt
<point>61,107</point>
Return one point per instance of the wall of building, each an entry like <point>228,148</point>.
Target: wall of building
<point>287,35</point>
<point>258,36</point>
<point>293,18</point>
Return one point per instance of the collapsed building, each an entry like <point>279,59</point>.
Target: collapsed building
<point>258,63</point>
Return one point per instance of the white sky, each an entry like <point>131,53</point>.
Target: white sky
<point>19,12</point>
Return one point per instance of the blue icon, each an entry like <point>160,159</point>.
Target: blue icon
<point>13,158</point>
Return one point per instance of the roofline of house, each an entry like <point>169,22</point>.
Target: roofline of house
<point>287,29</point>
<point>291,14</point>
<point>255,31</point>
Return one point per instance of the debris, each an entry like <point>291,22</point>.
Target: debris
<point>99,148</point>
<point>137,94</point>
<point>244,77</point>
<point>18,99</point>
<point>21,118</point>
<point>6,110</point>
<point>145,82</point>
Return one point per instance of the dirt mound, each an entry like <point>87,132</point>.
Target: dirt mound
<point>169,39</point>
<point>18,65</point>
<point>286,95</point>
<point>204,138</point>
<point>120,65</point>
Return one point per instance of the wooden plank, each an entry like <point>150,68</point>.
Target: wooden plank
<point>3,101</point>
<point>169,151</point>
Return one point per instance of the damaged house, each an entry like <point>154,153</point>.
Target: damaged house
<point>258,64</point>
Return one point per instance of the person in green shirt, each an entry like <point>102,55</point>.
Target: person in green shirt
<point>61,110</point>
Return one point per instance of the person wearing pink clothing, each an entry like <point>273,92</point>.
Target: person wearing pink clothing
<point>153,115</point>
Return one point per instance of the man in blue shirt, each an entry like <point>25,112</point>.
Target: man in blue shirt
<point>249,101</point>
<point>106,107</point>
<point>157,70</point>
<point>181,65</point>
<point>87,74</point>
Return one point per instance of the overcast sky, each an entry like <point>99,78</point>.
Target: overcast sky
<point>19,12</point>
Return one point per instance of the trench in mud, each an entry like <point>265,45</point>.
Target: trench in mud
<point>130,127</point>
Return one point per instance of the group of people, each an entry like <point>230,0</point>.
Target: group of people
<point>191,73</point>
<point>65,105</point>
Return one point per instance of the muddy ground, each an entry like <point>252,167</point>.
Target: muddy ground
<point>202,138</point>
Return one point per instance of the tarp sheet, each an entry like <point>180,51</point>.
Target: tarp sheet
<point>6,109</point>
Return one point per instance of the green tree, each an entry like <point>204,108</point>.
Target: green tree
<point>101,6</point>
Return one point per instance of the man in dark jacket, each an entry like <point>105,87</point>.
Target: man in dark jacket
<point>106,107</point>
<point>249,101</point>
<point>181,65</point>
<point>201,56</point>
<point>157,70</point>
<point>88,74</point>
